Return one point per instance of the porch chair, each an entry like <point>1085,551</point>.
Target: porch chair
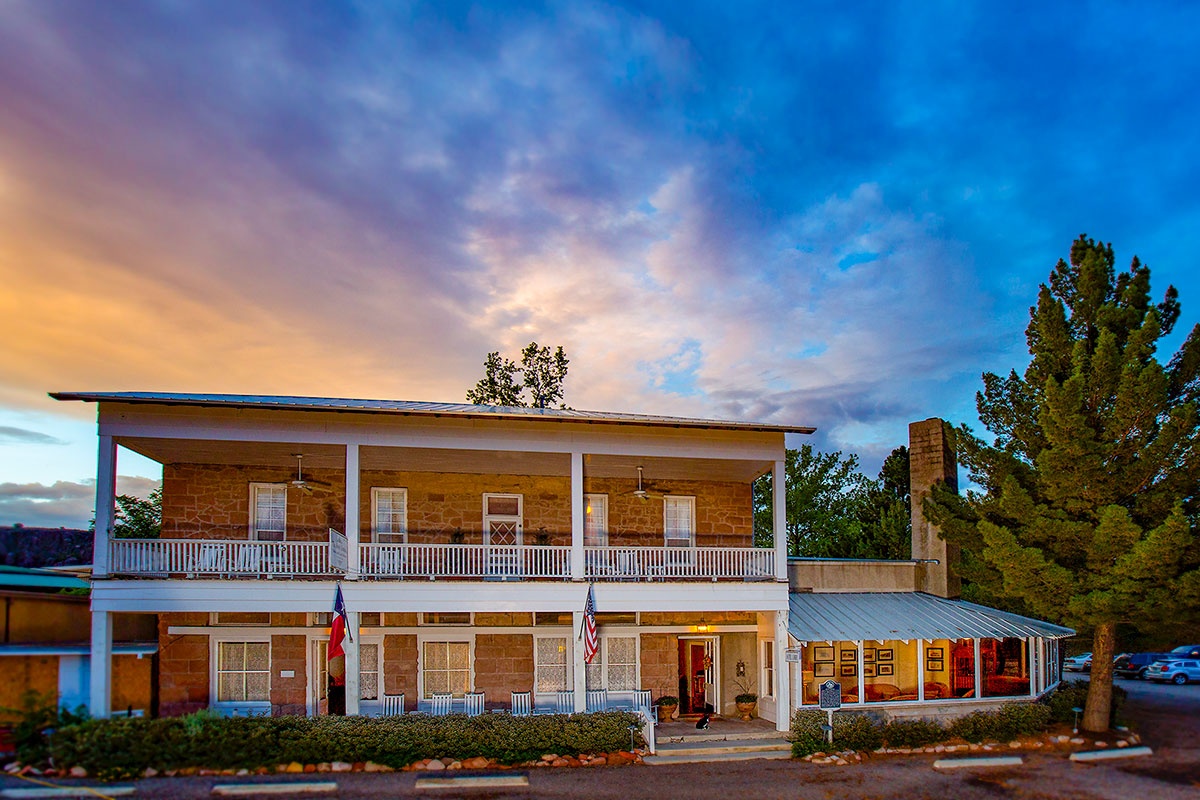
<point>390,564</point>
<point>249,558</point>
<point>522,704</point>
<point>473,703</point>
<point>209,559</point>
<point>391,705</point>
<point>597,700</point>
<point>641,700</point>
<point>442,704</point>
<point>566,701</point>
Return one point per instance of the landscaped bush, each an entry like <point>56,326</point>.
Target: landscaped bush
<point>1007,722</point>
<point>122,748</point>
<point>851,731</point>
<point>39,716</point>
<point>913,733</point>
<point>1073,694</point>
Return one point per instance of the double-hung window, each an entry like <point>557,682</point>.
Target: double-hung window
<point>268,512</point>
<point>767,686</point>
<point>595,520</point>
<point>389,512</point>
<point>551,667</point>
<point>243,672</point>
<point>368,671</point>
<point>679,521</point>
<point>615,665</point>
<point>446,667</point>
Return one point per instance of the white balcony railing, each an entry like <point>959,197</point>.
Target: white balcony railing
<point>497,562</point>
<point>222,557</point>
<point>686,563</point>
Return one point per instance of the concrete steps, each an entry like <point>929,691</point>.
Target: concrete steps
<point>696,749</point>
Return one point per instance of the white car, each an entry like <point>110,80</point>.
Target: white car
<point>1079,663</point>
<point>1178,671</point>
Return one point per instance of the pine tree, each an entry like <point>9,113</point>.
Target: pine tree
<point>1088,510</point>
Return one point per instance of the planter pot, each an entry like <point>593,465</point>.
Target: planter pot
<point>668,712</point>
<point>746,711</point>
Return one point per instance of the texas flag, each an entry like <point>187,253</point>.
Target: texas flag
<point>338,630</point>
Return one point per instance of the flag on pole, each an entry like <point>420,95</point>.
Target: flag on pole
<point>591,640</point>
<point>337,633</point>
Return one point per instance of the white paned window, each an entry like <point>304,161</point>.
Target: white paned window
<point>550,664</point>
<point>243,672</point>
<point>595,520</point>
<point>679,521</point>
<point>390,515</point>
<point>368,671</point>
<point>767,686</point>
<point>615,665</point>
<point>268,512</point>
<point>446,667</point>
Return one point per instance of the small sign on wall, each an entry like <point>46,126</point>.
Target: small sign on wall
<point>339,551</point>
<point>792,655</point>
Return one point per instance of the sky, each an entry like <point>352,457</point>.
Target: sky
<point>824,214</point>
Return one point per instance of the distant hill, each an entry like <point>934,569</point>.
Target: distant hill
<point>44,547</point>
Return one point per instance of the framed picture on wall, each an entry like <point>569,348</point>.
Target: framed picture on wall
<point>885,655</point>
<point>869,670</point>
<point>868,654</point>
<point>935,653</point>
<point>850,655</point>
<point>935,665</point>
<point>823,669</point>
<point>822,654</point>
<point>849,670</point>
<point>887,669</point>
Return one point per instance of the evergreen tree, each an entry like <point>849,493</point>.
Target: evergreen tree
<point>1088,508</point>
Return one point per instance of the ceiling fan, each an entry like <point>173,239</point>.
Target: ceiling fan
<point>300,483</point>
<point>645,491</point>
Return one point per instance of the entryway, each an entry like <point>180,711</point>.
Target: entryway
<point>699,678</point>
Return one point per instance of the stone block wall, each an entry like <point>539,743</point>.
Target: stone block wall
<point>660,663</point>
<point>503,664</point>
<point>400,667</point>
<point>131,677</point>
<point>183,664</point>
<point>25,673</point>
<point>931,460</point>
<point>289,695</point>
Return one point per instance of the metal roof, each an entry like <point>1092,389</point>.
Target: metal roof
<point>24,578</point>
<point>879,616</point>
<point>412,408</point>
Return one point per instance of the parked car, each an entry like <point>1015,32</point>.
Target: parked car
<point>1186,651</point>
<point>1178,671</point>
<point>1079,663</point>
<point>1136,664</point>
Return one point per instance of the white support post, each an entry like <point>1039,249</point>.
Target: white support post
<point>100,664</point>
<point>577,506</point>
<point>783,701</point>
<point>106,492</point>
<point>352,669</point>
<point>580,664</point>
<point>978,670</point>
<point>862,679</point>
<point>920,670</point>
<point>352,524</point>
<point>779,520</point>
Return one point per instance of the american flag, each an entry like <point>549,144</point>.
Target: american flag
<point>591,640</point>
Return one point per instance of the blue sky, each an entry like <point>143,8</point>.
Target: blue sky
<point>820,214</point>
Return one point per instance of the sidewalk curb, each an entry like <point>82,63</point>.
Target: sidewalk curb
<point>965,763</point>
<point>1102,755</point>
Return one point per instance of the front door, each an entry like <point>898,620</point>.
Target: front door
<point>699,679</point>
<point>502,530</point>
<point>318,678</point>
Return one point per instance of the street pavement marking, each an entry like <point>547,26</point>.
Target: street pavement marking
<point>993,761</point>
<point>1100,755</point>
<point>69,791</point>
<point>298,787</point>
<point>472,781</point>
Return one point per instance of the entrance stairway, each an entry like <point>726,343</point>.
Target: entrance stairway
<point>720,746</point>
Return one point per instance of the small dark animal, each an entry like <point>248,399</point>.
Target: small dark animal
<point>703,723</point>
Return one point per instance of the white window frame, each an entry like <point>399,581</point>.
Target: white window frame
<point>605,663</point>
<point>688,501</point>
<point>398,537</point>
<point>594,502</point>
<point>767,667</point>
<point>253,525</point>
<point>214,670</point>
<point>447,636</point>
<point>568,661</point>
<point>376,642</point>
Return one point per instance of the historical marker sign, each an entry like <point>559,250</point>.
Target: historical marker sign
<point>830,695</point>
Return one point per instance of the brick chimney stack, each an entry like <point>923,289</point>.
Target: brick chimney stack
<point>931,459</point>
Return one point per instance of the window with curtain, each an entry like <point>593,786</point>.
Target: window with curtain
<point>550,663</point>
<point>269,520</point>
<point>679,521</point>
<point>368,671</point>
<point>446,667</point>
<point>615,665</point>
<point>243,672</point>
<point>595,520</point>
<point>390,515</point>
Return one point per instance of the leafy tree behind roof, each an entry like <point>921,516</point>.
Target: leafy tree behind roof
<point>1088,507</point>
<point>542,374</point>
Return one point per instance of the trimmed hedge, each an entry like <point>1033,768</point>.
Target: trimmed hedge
<point>851,731</point>
<point>123,748</point>
<point>1073,694</point>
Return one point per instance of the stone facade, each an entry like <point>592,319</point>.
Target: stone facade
<point>183,666</point>
<point>660,663</point>
<point>289,695</point>
<point>400,667</point>
<point>213,501</point>
<point>932,460</point>
<point>503,664</point>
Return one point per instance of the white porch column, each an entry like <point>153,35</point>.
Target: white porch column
<point>580,664</point>
<point>100,664</point>
<point>352,674</point>
<point>577,506</point>
<point>352,524</point>
<point>779,518</point>
<point>978,669</point>
<point>106,490</point>
<point>783,705</point>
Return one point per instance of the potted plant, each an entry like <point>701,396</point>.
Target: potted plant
<point>746,703</point>
<point>668,707</point>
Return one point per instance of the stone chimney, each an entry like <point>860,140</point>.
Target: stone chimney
<point>931,459</point>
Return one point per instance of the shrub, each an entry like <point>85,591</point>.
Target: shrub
<point>851,731</point>
<point>39,717</point>
<point>913,733</point>
<point>122,748</point>
<point>1003,724</point>
<point>1073,694</point>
